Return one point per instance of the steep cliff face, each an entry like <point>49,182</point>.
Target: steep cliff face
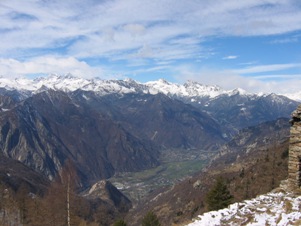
<point>48,128</point>
<point>109,193</point>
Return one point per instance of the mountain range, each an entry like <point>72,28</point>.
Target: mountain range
<point>106,127</point>
<point>190,91</point>
<point>109,126</point>
<point>251,108</point>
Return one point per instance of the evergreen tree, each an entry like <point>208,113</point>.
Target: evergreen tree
<point>150,219</point>
<point>219,196</point>
<point>120,223</point>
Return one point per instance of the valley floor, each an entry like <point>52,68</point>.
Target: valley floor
<point>176,165</point>
<point>275,208</point>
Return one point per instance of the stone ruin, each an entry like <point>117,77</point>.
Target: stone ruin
<point>294,161</point>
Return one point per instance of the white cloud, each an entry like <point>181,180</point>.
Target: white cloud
<point>225,79</point>
<point>285,40</point>
<point>135,29</point>
<point>135,23</point>
<point>231,57</point>
<point>230,80</point>
<point>48,65</point>
<point>266,68</point>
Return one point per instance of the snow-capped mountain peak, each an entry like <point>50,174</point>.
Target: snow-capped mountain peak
<point>190,90</point>
<point>239,91</point>
<point>162,86</point>
<point>195,89</point>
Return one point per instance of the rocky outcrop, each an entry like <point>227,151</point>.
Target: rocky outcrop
<point>294,164</point>
<point>109,193</point>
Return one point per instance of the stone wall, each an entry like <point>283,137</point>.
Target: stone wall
<point>294,162</point>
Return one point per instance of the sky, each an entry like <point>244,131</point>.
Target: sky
<point>250,44</point>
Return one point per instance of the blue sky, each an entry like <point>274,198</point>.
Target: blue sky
<point>251,44</point>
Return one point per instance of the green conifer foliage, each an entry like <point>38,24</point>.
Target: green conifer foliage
<point>219,196</point>
<point>120,223</point>
<point>150,219</point>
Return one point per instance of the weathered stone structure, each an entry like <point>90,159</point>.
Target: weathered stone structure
<point>294,162</point>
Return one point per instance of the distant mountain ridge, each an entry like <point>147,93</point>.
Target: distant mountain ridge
<point>69,83</point>
<point>235,109</point>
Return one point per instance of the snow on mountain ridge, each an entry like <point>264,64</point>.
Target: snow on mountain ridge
<point>102,87</point>
<point>68,83</point>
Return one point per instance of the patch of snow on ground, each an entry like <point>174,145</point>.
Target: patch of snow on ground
<point>275,208</point>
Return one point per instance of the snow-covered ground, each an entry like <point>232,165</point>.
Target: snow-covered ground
<point>275,208</point>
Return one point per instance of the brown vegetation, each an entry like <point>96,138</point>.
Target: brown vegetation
<point>248,170</point>
<point>60,205</point>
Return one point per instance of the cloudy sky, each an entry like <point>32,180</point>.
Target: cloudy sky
<point>251,44</point>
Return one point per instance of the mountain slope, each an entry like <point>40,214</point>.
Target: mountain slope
<point>45,130</point>
<point>14,174</point>
<point>166,122</point>
<point>101,135</point>
<point>118,126</point>
<point>238,111</point>
<point>248,163</point>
